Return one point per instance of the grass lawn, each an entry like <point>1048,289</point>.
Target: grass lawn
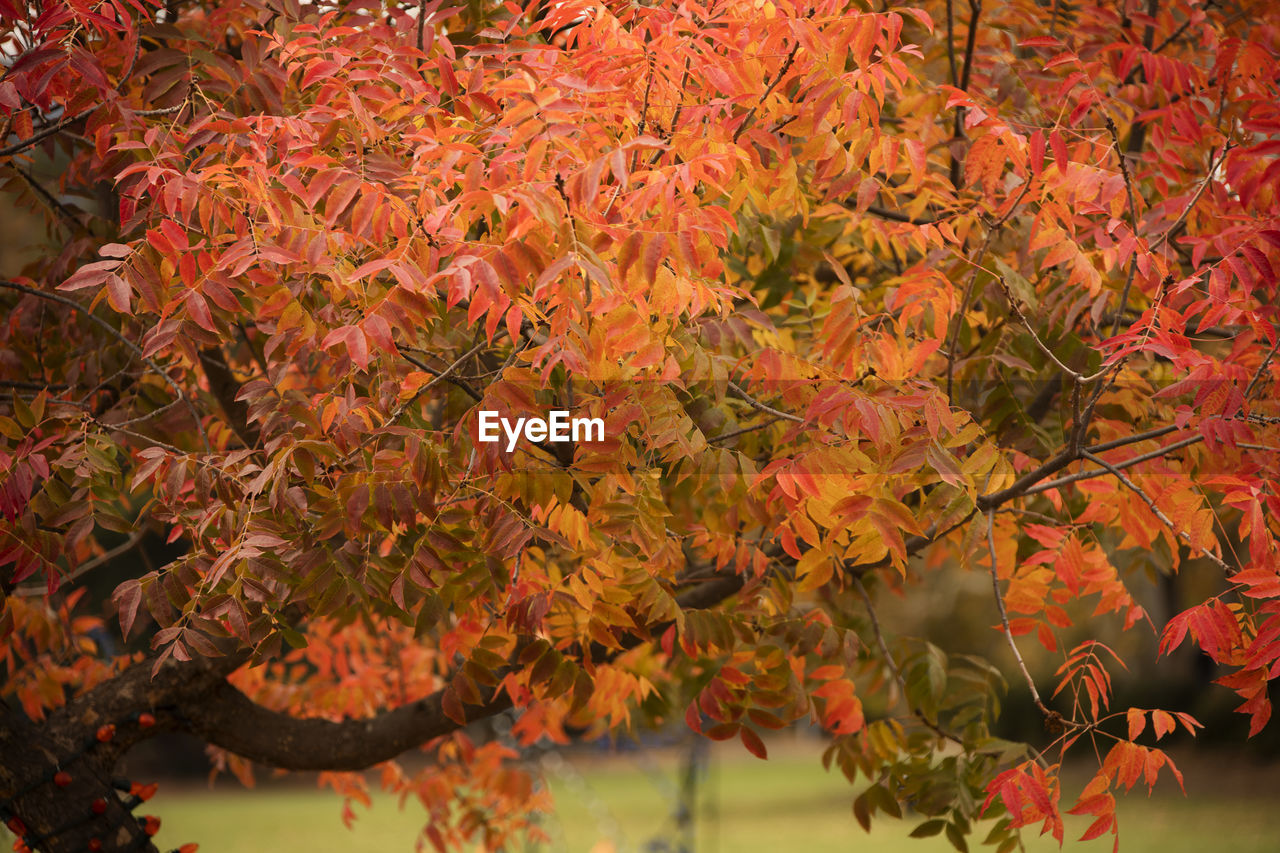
<point>788,803</point>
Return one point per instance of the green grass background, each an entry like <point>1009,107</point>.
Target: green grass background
<point>787,803</point>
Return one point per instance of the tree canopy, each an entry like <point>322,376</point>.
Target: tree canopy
<point>860,294</point>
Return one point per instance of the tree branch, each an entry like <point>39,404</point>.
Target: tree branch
<point>35,138</point>
<point>225,387</point>
<point>761,407</point>
<point>1186,211</point>
<point>89,565</point>
<point>1050,715</point>
<point>1157,512</point>
<point>886,213</point>
<point>1097,472</point>
<point>115,333</point>
<point>893,666</point>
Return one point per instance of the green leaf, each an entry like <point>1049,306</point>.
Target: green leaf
<point>929,828</point>
<point>1022,289</point>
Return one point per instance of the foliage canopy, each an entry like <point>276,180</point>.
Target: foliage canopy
<point>860,295</point>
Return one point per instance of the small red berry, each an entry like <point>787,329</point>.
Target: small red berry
<point>98,806</point>
<point>151,824</point>
<point>95,844</point>
<point>106,733</point>
<point>16,826</point>
<point>62,778</point>
<point>146,720</point>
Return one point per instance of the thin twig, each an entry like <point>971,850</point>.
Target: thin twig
<point>1079,378</point>
<point>1186,211</point>
<point>453,380</point>
<point>160,111</point>
<point>782,72</point>
<point>1004,617</point>
<point>1133,225</point>
<point>21,385</point>
<point>1097,472</point>
<point>439,376</point>
<point>115,333</point>
<point>140,418</point>
<point>52,202</point>
<point>886,213</point>
<point>913,545</point>
<point>1248,392</point>
<point>1132,439</point>
<point>35,138</point>
<point>893,665</point>
<point>953,335</point>
<point>84,568</point>
<point>1170,39</point>
<point>1156,511</point>
<point>773,419</point>
<point>761,407</point>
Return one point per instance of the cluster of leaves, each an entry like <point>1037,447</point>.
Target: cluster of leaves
<point>846,286</point>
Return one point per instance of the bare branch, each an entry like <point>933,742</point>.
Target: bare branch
<point>1132,439</point>
<point>43,133</point>
<point>953,335</point>
<point>886,213</point>
<point>51,202</point>
<point>1017,310</point>
<point>773,84</point>
<point>769,421</point>
<point>453,380</point>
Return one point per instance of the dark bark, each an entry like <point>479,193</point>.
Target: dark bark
<point>67,817</point>
<point>224,386</point>
<point>85,739</point>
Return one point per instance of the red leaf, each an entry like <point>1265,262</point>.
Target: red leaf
<point>1059,150</point>
<point>1137,722</point>
<point>89,275</point>
<point>752,742</point>
<point>127,598</point>
<point>1098,827</point>
<point>653,254</point>
<point>199,311</point>
<point>119,294</point>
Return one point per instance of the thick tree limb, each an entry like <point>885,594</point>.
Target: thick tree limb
<point>225,387</point>
<point>229,719</point>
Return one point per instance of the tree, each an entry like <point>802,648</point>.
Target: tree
<point>858,294</point>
